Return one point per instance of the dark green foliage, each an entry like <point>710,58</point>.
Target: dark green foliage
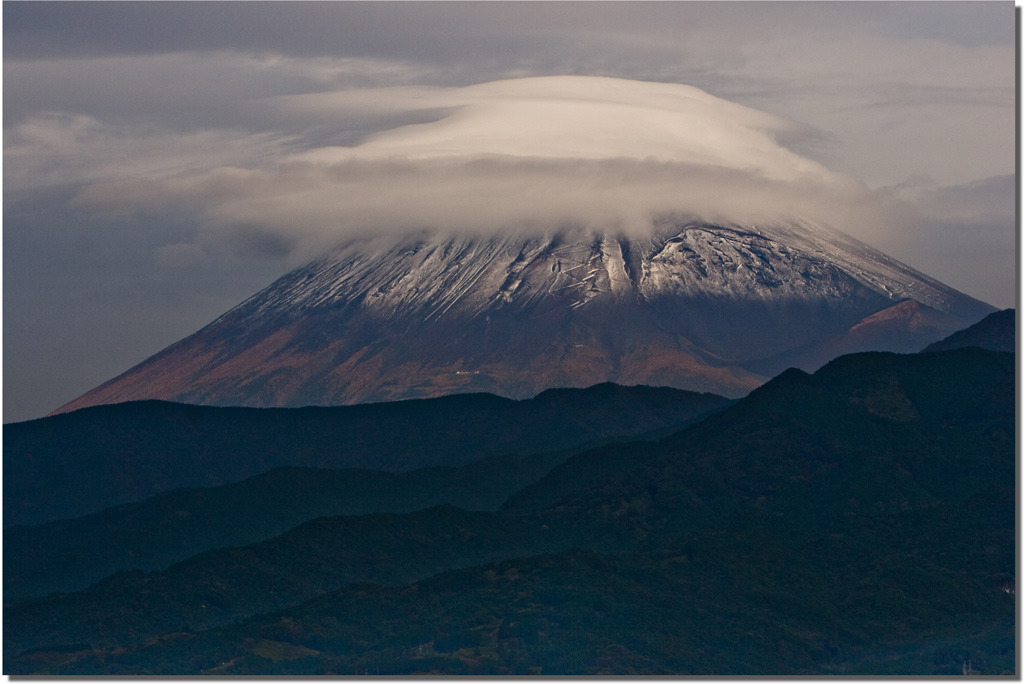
<point>861,520</point>
<point>78,463</point>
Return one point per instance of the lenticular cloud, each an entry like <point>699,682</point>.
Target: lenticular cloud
<point>534,153</point>
<point>588,118</point>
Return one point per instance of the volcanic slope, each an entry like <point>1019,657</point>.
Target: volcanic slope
<point>712,308</point>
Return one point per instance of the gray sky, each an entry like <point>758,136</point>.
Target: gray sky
<point>157,156</point>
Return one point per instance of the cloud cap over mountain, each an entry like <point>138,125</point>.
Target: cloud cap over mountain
<point>533,153</point>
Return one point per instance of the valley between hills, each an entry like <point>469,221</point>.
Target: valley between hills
<point>857,520</point>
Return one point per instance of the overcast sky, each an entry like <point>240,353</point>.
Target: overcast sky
<point>162,161</point>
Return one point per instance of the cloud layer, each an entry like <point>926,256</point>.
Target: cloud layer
<point>533,154</point>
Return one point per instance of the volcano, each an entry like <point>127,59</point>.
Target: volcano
<point>698,306</point>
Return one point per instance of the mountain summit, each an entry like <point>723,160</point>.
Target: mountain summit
<point>717,308</point>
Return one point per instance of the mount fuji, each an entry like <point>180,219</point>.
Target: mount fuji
<point>711,307</point>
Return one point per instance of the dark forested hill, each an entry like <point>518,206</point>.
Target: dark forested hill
<point>868,434</point>
<point>65,555</point>
<point>997,331</point>
<point>78,463</point>
<point>224,585</point>
<point>860,520</point>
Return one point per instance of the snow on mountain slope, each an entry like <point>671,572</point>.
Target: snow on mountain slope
<point>706,307</point>
<point>470,275</point>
